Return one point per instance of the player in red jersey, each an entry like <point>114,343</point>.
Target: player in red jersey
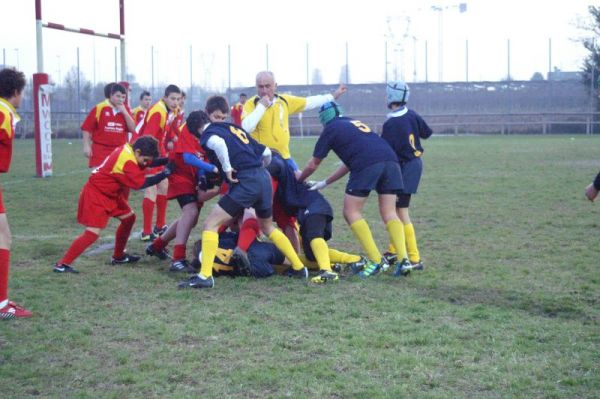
<point>12,83</point>
<point>102,198</point>
<point>178,119</point>
<point>238,109</point>
<point>156,124</point>
<point>106,127</point>
<point>140,111</point>
<point>188,157</point>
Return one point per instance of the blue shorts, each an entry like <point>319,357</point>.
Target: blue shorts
<point>384,177</point>
<point>253,190</point>
<point>411,175</point>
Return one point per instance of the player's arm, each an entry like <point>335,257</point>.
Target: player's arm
<point>313,102</point>
<point>311,166</point>
<point>155,179</point>
<point>335,176</point>
<point>591,191</point>
<point>218,145</point>
<point>193,160</point>
<point>424,130</point>
<point>251,120</point>
<point>128,118</point>
<point>87,143</point>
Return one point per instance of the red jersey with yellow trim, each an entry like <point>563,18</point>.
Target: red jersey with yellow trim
<point>184,177</point>
<point>8,121</point>
<point>138,114</point>
<point>106,125</point>
<point>236,113</point>
<point>156,124</point>
<point>119,170</point>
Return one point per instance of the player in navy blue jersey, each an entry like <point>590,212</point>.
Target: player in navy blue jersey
<point>314,215</point>
<point>241,159</point>
<point>404,130</point>
<point>373,165</point>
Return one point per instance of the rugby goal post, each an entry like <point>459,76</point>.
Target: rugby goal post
<point>42,88</point>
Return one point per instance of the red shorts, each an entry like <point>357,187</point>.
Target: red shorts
<point>2,210</point>
<point>180,184</point>
<point>280,217</point>
<point>95,209</point>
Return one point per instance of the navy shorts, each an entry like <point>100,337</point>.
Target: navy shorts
<point>411,175</point>
<point>384,177</point>
<point>253,190</point>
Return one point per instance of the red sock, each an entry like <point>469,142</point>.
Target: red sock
<point>122,235</point>
<point>80,244</point>
<point>4,266</point>
<point>147,211</point>
<point>161,210</point>
<point>159,244</point>
<point>179,252</point>
<point>248,233</point>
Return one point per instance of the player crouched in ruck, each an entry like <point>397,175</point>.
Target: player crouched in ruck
<point>314,215</point>
<point>103,197</point>
<point>234,151</point>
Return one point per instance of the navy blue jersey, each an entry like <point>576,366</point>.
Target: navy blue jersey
<point>354,143</point>
<point>295,197</point>
<point>244,151</point>
<point>404,131</point>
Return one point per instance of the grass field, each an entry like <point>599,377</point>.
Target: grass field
<point>508,305</point>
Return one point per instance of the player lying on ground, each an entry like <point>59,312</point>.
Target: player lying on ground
<point>102,197</point>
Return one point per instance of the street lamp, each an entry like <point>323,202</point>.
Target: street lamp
<point>462,7</point>
<point>17,52</point>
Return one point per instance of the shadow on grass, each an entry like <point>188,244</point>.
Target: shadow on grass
<point>536,303</point>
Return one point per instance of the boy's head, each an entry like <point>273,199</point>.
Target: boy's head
<point>107,89</point>
<point>217,108</point>
<point>196,121</point>
<point>118,94</point>
<point>12,83</point>
<point>145,149</point>
<point>329,111</point>
<point>243,98</point>
<point>145,99</point>
<point>172,96</point>
<point>397,94</point>
<point>182,100</point>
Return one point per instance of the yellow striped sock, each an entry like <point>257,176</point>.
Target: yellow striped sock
<point>283,244</point>
<point>321,252</point>
<point>336,256</point>
<point>210,244</point>
<point>396,232</point>
<point>361,231</point>
<point>411,243</point>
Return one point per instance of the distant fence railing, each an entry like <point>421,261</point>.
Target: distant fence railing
<point>66,124</point>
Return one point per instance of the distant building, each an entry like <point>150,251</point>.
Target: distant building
<point>557,74</point>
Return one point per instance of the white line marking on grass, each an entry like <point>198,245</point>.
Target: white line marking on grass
<point>27,180</point>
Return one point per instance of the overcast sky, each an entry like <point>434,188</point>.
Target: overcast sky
<point>293,39</point>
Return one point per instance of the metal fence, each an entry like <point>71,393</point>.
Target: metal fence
<point>66,124</point>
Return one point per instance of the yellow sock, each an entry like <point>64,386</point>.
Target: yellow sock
<point>361,231</point>
<point>391,248</point>
<point>310,265</point>
<point>336,256</point>
<point>210,244</point>
<point>396,232</point>
<point>283,244</point>
<point>321,251</point>
<point>411,243</point>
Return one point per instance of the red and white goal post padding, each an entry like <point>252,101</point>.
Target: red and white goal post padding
<point>42,88</point>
